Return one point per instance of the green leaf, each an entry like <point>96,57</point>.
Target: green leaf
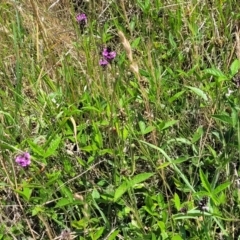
<point>125,133</point>
<point>53,147</point>
<point>235,66</point>
<point>176,96</point>
<point>136,42</point>
<point>142,126</point>
<point>221,187</point>
<point>113,235</point>
<point>204,181</point>
<point>81,224</point>
<point>177,237</point>
<point>37,209</point>
<point>197,135</point>
<point>171,40</point>
<point>163,165</point>
<point>199,92</point>
<point>215,72</point>
<point>148,129</point>
<point>177,201</point>
<point>180,160</point>
<point>26,193</point>
<point>120,191</point>
<point>90,148</point>
<point>36,148</point>
<point>129,184</point>
<point>52,177</point>
<point>223,118</point>
<point>140,178</point>
<point>95,194</point>
<point>63,202</point>
<point>98,234</point>
<point>166,125</point>
<point>98,139</point>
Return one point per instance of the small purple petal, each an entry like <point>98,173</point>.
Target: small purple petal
<point>82,18</point>
<point>23,159</point>
<point>103,62</point>
<point>108,55</point>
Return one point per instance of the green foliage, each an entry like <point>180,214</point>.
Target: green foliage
<point>144,148</point>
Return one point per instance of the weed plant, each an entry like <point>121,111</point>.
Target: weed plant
<point>119,119</point>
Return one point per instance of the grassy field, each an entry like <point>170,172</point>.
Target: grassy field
<point>119,120</point>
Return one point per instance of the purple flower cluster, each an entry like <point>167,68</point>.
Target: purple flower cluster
<point>23,159</point>
<point>82,19</point>
<point>107,56</point>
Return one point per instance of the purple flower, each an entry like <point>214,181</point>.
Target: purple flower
<point>23,159</point>
<point>103,62</point>
<point>108,54</point>
<point>82,19</point>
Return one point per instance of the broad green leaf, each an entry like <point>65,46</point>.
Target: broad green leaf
<point>63,202</point>
<point>176,96</point>
<point>180,160</point>
<point>215,72</point>
<point>197,135</point>
<point>235,66</point>
<point>37,209</point>
<point>168,124</point>
<point>36,148</point>
<point>95,194</point>
<point>129,184</point>
<point>113,235</point>
<point>98,233</point>
<point>54,144</point>
<point>199,92</point>
<point>26,193</point>
<point>140,178</point>
<point>149,129</point>
<point>162,226</point>
<point>222,198</point>
<point>125,133</point>
<point>98,139</point>
<point>81,224</point>
<point>163,165</point>
<point>120,191</point>
<point>136,42</point>
<point>153,236</point>
<point>223,118</point>
<point>177,237</point>
<point>90,148</point>
<point>177,201</point>
<point>204,181</point>
<point>221,187</point>
<point>142,126</point>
